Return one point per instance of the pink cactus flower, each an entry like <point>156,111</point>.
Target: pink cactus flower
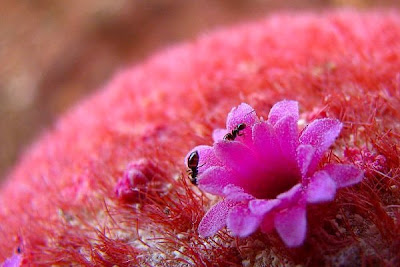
<point>267,172</point>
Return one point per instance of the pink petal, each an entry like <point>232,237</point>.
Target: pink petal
<point>291,195</point>
<point>321,188</point>
<point>13,261</point>
<point>236,156</point>
<point>207,157</point>
<point>291,225</point>
<point>320,134</point>
<point>243,113</point>
<point>215,218</point>
<point>285,108</point>
<point>305,155</point>
<point>236,193</point>
<point>266,143</point>
<point>287,134</point>
<point>262,206</point>
<point>214,179</point>
<point>218,134</point>
<point>344,175</point>
<point>242,222</point>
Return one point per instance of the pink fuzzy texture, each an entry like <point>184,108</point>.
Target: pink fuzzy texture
<point>60,204</point>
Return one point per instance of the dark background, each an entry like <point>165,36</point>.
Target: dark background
<point>52,53</point>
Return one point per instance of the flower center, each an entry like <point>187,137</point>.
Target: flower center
<point>269,183</point>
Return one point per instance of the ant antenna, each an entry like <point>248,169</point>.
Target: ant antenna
<point>250,112</point>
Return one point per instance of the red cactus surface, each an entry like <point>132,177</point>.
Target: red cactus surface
<point>107,184</point>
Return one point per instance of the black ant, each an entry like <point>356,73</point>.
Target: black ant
<point>193,162</point>
<point>235,132</point>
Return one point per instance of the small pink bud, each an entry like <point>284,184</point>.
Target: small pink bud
<point>133,183</point>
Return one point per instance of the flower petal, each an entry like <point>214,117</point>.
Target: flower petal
<point>321,188</point>
<point>287,135</point>
<point>243,113</point>
<point>207,157</point>
<point>344,175</point>
<point>237,193</point>
<point>242,222</point>
<point>215,218</point>
<point>285,108</point>
<point>320,134</point>
<point>305,155</point>
<point>236,156</point>
<point>291,197</point>
<point>262,206</point>
<point>291,225</point>
<point>13,261</point>
<point>291,194</point>
<point>239,123</point>
<point>266,143</point>
<point>218,134</point>
<point>214,179</point>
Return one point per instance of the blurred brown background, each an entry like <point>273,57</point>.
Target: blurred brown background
<point>54,52</point>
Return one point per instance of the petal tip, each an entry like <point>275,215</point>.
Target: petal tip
<point>321,188</point>
<point>242,222</point>
<point>291,226</point>
<point>282,109</point>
